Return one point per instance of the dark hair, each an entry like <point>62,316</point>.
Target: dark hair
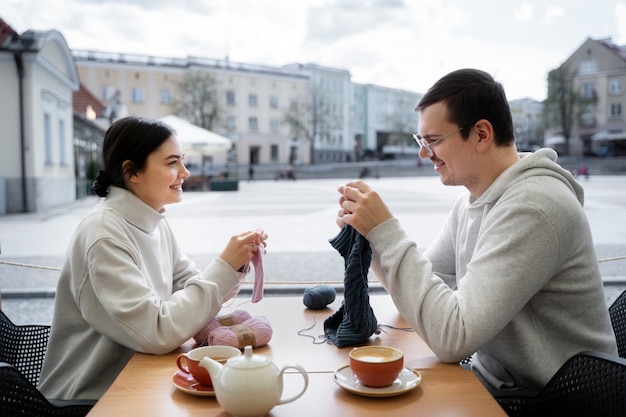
<point>128,139</point>
<point>471,95</point>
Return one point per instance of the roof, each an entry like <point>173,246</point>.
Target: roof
<point>616,49</point>
<point>83,98</point>
<point>6,33</point>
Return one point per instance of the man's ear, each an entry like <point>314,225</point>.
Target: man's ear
<point>484,131</point>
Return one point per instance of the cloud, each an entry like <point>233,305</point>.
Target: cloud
<point>524,12</point>
<point>552,13</point>
<point>620,23</point>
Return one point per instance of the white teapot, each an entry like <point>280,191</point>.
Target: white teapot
<point>250,385</point>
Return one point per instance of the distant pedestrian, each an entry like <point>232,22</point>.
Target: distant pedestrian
<point>125,285</point>
<point>251,173</point>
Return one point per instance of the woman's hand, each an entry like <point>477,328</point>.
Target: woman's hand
<point>240,247</point>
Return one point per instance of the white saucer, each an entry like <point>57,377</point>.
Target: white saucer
<point>406,381</point>
<point>187,384</point>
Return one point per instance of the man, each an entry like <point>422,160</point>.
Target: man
<point>513,274</point>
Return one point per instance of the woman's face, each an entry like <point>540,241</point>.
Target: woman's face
<point>161,180</point>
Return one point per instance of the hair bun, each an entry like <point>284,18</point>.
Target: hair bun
<point>101,184</point>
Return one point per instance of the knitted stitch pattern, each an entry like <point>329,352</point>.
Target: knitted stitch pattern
<point>355,321</point>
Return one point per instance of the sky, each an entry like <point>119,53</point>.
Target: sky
<point>404,44</point>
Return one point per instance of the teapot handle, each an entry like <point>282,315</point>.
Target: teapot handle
<point>305,376</point>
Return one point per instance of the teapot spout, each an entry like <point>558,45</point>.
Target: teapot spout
<point>212,366</point>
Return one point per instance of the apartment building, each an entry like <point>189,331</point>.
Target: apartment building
<point>254,97</point>
<point>527,115</point>
<point>384,122</point>
<point>599,70</point>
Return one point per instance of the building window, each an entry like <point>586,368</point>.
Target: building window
<point>166,97</point>
<point>47,132</point>
<point>588,91</point>
<point>137,95</point>
<point>252,100</point>
<point>588,66</point>
<point>615,87</point>
<point>274,125</point>
<point>616,110</point>
<point>274,102</point>
<point>108,91</point>
<point>274,153</point>
<point>230,98</point>
<point>231,124</point>
<point>62,144</point>
<point>253,124</point>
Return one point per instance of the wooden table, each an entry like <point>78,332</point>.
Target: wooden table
<point>145,386</point>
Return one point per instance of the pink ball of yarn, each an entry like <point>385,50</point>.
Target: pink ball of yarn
<point>255,332</point>
<point>236,317</point>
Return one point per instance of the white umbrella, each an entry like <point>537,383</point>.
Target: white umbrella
<point>196,140</point>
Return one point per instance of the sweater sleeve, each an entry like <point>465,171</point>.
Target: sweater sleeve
<point>119,301</point>
<point>456,323</point>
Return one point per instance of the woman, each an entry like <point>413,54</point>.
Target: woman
<point>125,285</point>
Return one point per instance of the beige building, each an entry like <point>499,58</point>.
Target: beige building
<point>255,98</point>
<point>600,81</point>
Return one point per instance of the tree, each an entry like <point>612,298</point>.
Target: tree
<point>198,100</point>
<point>311,117</point>
<point>563,102</point>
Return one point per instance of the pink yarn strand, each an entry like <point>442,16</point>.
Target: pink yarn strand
<point>257,262</point>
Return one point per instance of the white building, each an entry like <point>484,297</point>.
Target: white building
<point>37,78</point>
<point>385,121</point>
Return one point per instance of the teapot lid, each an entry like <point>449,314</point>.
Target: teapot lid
<point>248,360</point>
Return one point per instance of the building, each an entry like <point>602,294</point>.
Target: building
<point>37,79</point>
<point>598,71</point>
<point>527,115</point>
<point>254,98</point>
<point>384,121</point>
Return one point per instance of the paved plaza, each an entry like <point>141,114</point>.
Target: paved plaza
<point>299,217</point>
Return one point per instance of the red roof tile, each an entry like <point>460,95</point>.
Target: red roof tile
<point>83,98</point>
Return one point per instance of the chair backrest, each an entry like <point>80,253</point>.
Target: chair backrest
<point>617,311</point>
<point>19,397</point>
<point>588,384</point>
<point>24,347</point>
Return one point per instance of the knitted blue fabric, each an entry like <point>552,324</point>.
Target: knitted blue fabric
<point>354,322</point>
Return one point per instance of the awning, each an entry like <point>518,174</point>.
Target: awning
<point>196,140</point>
<point>554,140</point>
<point>606,136</point>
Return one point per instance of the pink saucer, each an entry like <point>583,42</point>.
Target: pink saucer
<point>187,384</point>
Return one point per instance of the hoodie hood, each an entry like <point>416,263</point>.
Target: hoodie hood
<point>539,163</point>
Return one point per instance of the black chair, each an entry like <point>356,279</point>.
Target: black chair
<point>588,384</point>
<point>19,397</point>
<point>617,311</point>
<point>24,347</point>
<point>22,351</point>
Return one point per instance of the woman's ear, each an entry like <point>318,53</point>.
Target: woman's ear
<point>129,175</point>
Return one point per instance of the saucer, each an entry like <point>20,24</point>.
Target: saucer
<point>187,384</point>
<point>406,381</point>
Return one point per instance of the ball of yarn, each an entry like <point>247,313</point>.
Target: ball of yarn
<point>236,317</point>
<point>255,332</point>
<point>318,297</point>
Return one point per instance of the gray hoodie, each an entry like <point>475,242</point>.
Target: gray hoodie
<point>512,276</point>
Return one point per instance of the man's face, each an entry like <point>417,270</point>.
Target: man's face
<point>453,157</point>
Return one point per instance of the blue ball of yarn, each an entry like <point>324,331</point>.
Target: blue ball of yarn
<point>318,297</point>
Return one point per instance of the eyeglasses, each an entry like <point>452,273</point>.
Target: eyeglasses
<point>424,143</point>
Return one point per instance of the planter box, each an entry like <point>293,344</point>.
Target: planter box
<point>224,185</point>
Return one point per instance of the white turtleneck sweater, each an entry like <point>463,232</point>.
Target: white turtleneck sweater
<point>125,287</point>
